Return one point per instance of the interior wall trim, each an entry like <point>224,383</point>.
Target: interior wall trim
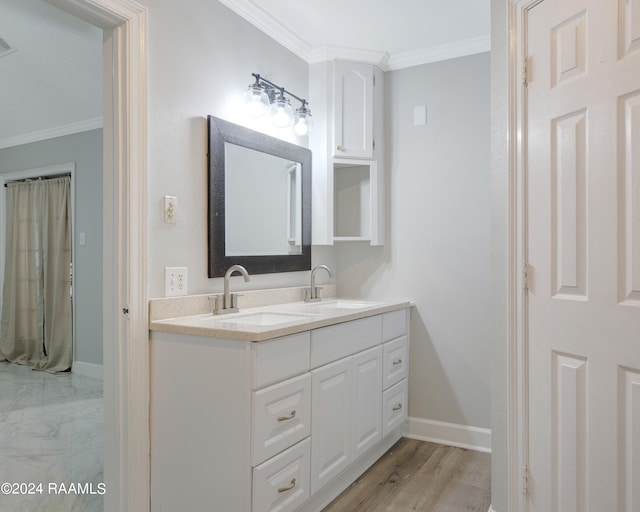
<point>451,434</point>
<point>264,21</point>
<point>90,370</point>
<point>438,53</point>
<point>50,133</point>
<point>125,299</point>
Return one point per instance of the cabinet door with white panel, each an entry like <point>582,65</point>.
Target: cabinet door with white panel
<point>353,84</point>
<point>366,410</point>
<point>330,421</point>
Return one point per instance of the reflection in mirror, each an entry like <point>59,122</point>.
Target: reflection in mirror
<point>262,204</point>
<point>259,201</point>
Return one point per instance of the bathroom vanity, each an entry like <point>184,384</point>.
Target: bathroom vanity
<point>276,407</point>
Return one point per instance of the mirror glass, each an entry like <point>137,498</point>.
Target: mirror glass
<point>259,201</point>
<point>263,207</point>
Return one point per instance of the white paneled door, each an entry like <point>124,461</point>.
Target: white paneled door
<point>583,247</point>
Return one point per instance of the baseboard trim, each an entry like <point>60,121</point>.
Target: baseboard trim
<point>452,434</point>
<point>93,371</point>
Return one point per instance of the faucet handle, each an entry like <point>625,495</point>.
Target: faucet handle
<point>311,294</point>
<point>234,299</point>
<point>217,302</point>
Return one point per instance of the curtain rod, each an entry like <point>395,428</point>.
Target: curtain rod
<point>50,177</point>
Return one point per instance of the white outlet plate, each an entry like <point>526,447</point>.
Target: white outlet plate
<point>175,281</point>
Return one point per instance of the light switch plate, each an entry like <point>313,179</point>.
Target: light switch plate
<point>170,207</point>
<point>175,281</point>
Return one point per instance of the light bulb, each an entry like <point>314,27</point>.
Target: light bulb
<point>303,121</point>
<point>282,112</point>
<point>256,100</point>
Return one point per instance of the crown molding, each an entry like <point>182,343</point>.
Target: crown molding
<point>51,133</point>
<point>262,20</point>
<point>441,52</point>
<point>357,54</point>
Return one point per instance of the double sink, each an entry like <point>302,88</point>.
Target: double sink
<point>282,314</point>
<point>296,311</point>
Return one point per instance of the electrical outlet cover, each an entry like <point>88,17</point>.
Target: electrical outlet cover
<point>175,281</point>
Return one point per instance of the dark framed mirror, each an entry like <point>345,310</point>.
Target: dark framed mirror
<point>259,208</point>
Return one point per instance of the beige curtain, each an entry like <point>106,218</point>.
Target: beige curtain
<point>36,327</point>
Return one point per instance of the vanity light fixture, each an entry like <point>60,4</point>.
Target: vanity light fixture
<point>264,94</point>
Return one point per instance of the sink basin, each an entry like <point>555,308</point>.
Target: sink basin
<point>329,306</point>
<point>262,319</point>
<point>344,304</point>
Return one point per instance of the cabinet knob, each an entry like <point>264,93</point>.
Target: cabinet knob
<point>291,415</point>
<point>340,148</point>
<point>285,489</point>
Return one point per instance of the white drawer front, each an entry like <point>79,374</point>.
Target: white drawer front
<point>281,417</point>
<point>282,483</point>
<point>394,324</point>
<point>337,341</point>
<point>279,359</point>
<point>394,404</point>
<point>396,363</point>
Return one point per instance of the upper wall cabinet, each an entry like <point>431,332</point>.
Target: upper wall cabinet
<point>353,110</point>
<point>348,153</point>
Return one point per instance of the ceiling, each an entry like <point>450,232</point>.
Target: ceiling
<point>392,33</point>
<point>55,72</point>
<point>52,82</point>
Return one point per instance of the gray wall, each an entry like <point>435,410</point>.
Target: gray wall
<point>85,149</point>
<point>201,56</point>
<point>438,251</point>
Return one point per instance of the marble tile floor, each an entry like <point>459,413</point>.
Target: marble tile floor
<point>51,433</point>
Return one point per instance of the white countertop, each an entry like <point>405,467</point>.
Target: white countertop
<point>267,322</point>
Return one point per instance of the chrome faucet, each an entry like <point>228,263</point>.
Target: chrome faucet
<point>228,302</point>
<point>311,294</point>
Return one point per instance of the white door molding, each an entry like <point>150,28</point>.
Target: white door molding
<point>125,310</point>
<point>517,407</point>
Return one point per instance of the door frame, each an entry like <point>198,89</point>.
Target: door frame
<point>517,317</point>
<point>125,295</point>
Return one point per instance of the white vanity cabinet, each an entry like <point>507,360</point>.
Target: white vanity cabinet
<point>281,425</point>
<point>348,152</point>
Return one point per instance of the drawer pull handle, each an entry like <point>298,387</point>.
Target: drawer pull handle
<point>285,489</point>
<point>397,407</point>
<point>397,361</point>
<point>292,415</point>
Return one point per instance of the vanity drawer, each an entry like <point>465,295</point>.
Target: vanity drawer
<point>394,324</point>
<point>395,364</point>
<point>337,341</point>
<point>282,483</point>
<point>281,416</point>
<point>279,359</point>
<point>394,407</point>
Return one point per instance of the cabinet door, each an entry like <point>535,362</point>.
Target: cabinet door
<point>330,421</point>
<point>353,110</point>
<point>367,400</point>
